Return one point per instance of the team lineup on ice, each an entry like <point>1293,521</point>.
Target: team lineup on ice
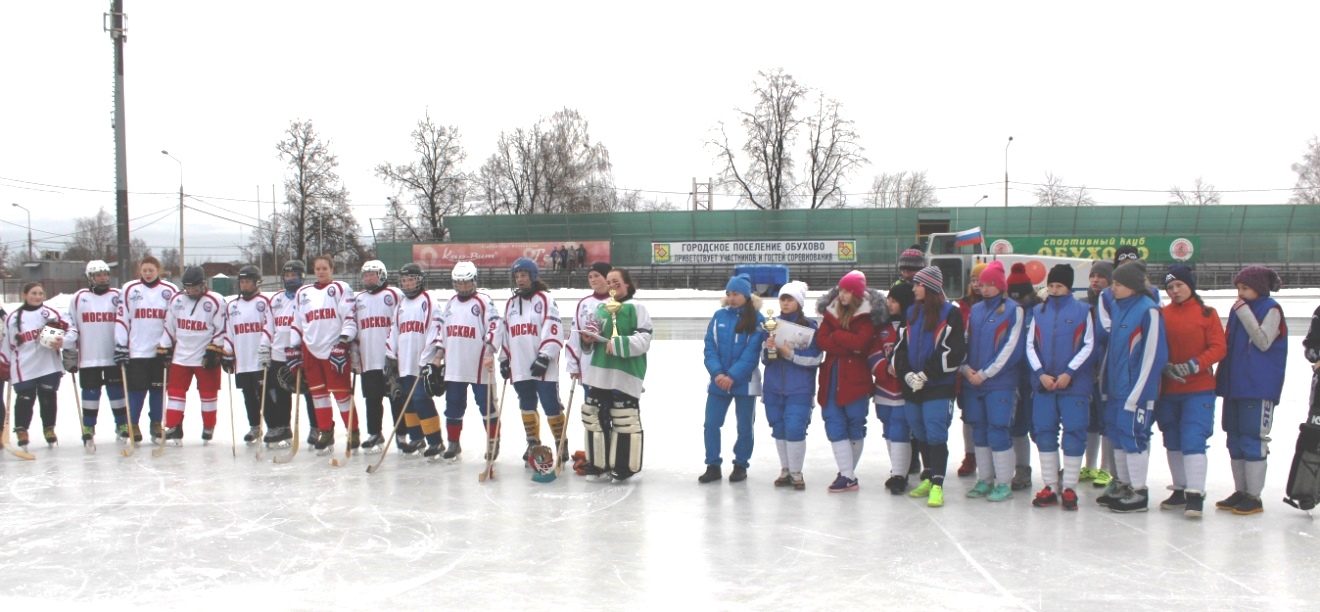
<point>1018,366</point>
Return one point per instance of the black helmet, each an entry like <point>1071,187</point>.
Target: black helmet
<point>193,276</point>
<point>295,266</point>
<point>412,270</point>
<point>253,274</point>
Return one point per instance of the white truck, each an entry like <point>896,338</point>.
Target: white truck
<point>956,263</point>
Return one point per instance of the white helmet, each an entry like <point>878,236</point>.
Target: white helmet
<point>377,266</point>
<point>464,271</point>
<point>96,266</point>
<point>49,334</point>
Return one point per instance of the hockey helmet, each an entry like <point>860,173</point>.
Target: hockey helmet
<point>414,272</point>
<point>194,277</point>
<point>524,264</point>
<point>250,273</point>
<point>541,459</point>
<point>464,271</point>
<point>49,335</point>
<point>378,268</point>
<point>95,267</point>
<point>296,268</point>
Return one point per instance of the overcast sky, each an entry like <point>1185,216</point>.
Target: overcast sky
<point>1131,96</point>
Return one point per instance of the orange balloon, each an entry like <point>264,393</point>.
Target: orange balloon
<point>1036,271</point>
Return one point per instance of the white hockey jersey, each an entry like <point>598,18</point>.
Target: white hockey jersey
<point>577,361</point>
<point>469,330</point>
<point>249,326</point>
<point>322,313</point>
<point>375,319</point>
<point>142,316</point>
<point>27,358</point>
<point>282,304</point>
<point>92,327</point>
<point>532,327</point>
<point>412,339</point>
<point>191,324</point>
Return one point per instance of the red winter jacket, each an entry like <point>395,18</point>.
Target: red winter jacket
<point>1192,335</point>
<point>849,348</point>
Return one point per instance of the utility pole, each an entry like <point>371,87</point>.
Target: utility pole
<point>182,265</point>
<point>113,22</point>
<point>1010,141</point>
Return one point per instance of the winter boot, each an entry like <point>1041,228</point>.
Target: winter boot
<point>968,466</point>
<point>253,434</point>
<point>454,453</point>
<point>1177,501</point>
<point>1249,504</point>
<point>712,474</point>
<point>373,444</point>
<point>739,473</point>
<point>1021,478</point>
<point>1195,504</point>
<point>1231,501</point>
<point>325,442</point>
<point>1136,500</point>
<point>784,480</point>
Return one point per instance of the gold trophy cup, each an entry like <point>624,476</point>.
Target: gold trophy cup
<point>613,306</point>
<point>770,325</point>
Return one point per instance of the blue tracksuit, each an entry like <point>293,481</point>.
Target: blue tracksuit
<point>1250,379</point>
<point>737,356</point>
<point>790,385</point>
<point>1061,340</point>
<point>995,331</point>
<point>1137,355</point>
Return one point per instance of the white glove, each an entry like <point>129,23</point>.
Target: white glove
<point>915,380</point>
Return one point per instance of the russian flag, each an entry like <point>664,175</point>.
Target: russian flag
<point>968,237</point>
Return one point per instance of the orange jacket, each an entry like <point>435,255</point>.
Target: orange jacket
<point>1192,335</point>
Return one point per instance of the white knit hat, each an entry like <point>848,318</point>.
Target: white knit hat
<point>798,291</point>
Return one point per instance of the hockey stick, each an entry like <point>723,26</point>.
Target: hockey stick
<point>371,469</point>
<point>9,407</point>
<point>492,430</point>
<point>261,409</point>
<point>563,436</point>
<point>233,444</point>
<point>297,397</point>
<point>128,449</point>
<point>164,410</point>
<point>77,409</point>
<point>352,418</point>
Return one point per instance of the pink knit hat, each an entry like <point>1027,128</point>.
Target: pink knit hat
<point>854,282</point>
<point>993,274</point>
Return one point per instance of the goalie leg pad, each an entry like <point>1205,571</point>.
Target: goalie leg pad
<point>627,438</point>
<point>597,445</point>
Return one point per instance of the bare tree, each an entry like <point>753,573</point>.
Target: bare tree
<point>552,167</point>
<point>767,181</point>
<point>94,238</point>
<point>311,186</point>
<point>1307,189</point>
<point>1201,194</point>
<point>10,262</point>
<point>901,190</point>
<point>632,201</point>
<point>833,154</point>
<point>434,183</point>
<point>137,249</point>
<point>170,263</point>
<point>1054,193</point>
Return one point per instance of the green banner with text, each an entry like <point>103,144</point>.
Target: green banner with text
<point>1153,249</point>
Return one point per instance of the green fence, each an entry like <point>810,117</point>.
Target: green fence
<point>1225,234</point>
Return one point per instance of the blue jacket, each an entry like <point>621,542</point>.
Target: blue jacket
<point>1061,340</point>
<point>995,331</point>
<point>795,375</point>
<point>733,354</point>
<point>938,354</point>
<point>1138,352</point>
<point>1248,372</point>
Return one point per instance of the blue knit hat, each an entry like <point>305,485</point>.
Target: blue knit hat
<point>740,284</point>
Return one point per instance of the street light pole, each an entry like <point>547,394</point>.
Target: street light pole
<point>1010,141</point>
<point>29,215</point>
<point>978,202</point>
<point>181,207</point>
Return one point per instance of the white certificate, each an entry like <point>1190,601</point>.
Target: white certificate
<point>794,335</point>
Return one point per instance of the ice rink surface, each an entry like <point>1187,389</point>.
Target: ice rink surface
<point>198,528</point>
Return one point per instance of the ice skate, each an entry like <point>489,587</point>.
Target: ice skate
<point>278,437</point>
<point>208,434</point>
<point>252,436</point>
<point>174,435</point>
<point>22,435</point>
<point>434,452</point>
<point>373,445</point>
<point>454,453</point>
<point>88,440</point>
<point>412,449</point>
<point>354,441</point>
<point>136,431</point>
<point>325,442</point>
<point>121,435</point>
<point>312,436</point>
<point>157,433</point>
<point>49,434</point>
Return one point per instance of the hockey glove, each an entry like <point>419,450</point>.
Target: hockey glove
<point>505,370</point>
<point>433,377</point>
<point>69,357</point>
<point>1313,354</point>
<point>339,355</point>
<point>213,356</point>
<point>263,356</point>
<point>121,355</point>
<point>539,366</point>
<point>391,368</point>
<point>165,355</point>
<point>227,364</point>
<point>915,380</point>
<point>293,358</point>
<point>1185,369</point>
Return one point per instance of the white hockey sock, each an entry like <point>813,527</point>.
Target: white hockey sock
<point>1121,466</point>
<point>1138,465</point>
<point>1255,473</point>
<point>1195,467</point>
<point>1092,448</point>
<point>985,464</point>
<point>1004,462</point>
<point>1049,469</point>
<point>900,455</point>
<point>782,447</point>
<point>857,451</point>
<point>797,455</point>
<point>843,458</point>
<point>1239,475</point>
<point>1021,452</point>
<point>1107,461</point>
<point>1178,469</point>
<point>968,445</point>
<point>1072,469</point>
